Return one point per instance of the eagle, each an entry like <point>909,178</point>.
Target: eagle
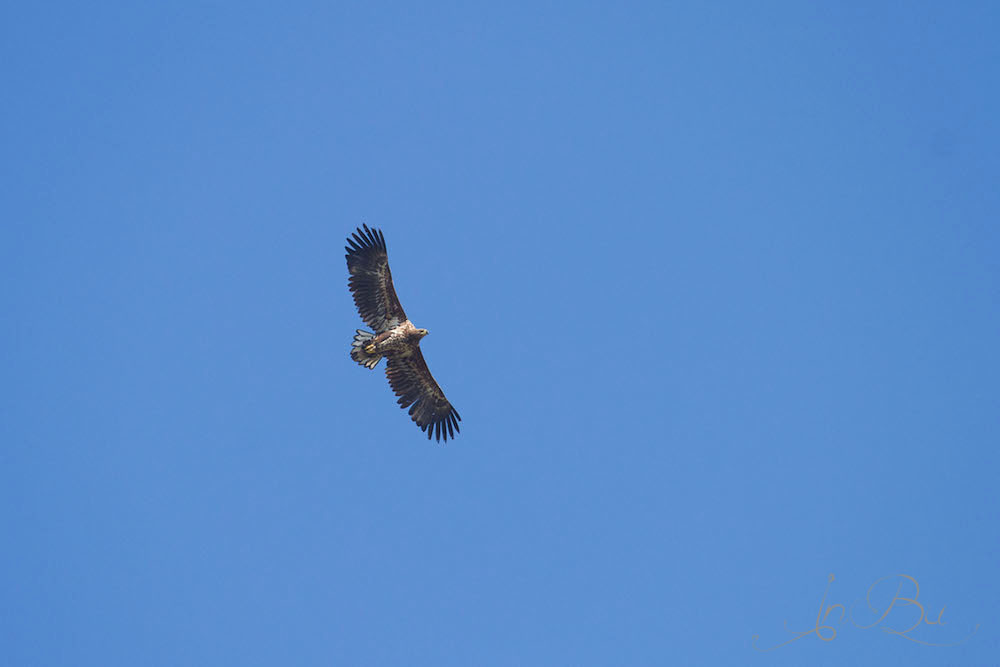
<point>395,337</point>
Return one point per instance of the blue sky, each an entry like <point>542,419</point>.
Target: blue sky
<point>714,288</point>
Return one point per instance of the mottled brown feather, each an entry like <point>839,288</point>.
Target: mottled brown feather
<point>371,280</point>
<point>412,381</point>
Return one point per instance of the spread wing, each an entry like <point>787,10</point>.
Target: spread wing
<point>412,382</point>
<point>371,281</point>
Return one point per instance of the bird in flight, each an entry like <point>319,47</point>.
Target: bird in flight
<point>395,337</point>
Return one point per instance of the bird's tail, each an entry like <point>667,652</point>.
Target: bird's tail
<point>361,340</point>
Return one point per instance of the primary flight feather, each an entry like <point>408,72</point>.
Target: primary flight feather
<point>395,337</point>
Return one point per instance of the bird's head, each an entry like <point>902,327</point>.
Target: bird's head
<point>422,332</point>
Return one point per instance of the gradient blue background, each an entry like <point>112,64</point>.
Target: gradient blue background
<point>714,288</point>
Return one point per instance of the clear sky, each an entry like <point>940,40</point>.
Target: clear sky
<point>714,288</point>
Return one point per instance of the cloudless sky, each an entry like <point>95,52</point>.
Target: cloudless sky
<point>714,287</point>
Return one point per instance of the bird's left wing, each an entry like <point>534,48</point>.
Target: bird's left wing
<point>412,381</point>
<point>371,281</point>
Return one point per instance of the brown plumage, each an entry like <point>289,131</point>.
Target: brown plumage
<point>395,337</point>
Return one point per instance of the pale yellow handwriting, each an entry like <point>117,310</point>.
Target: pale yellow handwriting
<point>829,633</point>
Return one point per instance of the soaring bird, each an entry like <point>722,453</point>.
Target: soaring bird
<point>395,337</point>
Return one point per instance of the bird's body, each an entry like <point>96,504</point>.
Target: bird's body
<point>395,337</point>
<point>401,341</point>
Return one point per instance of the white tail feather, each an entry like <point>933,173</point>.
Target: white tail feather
<point>361,339</point>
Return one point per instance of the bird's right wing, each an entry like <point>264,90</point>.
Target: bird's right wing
<point>371,281</point>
